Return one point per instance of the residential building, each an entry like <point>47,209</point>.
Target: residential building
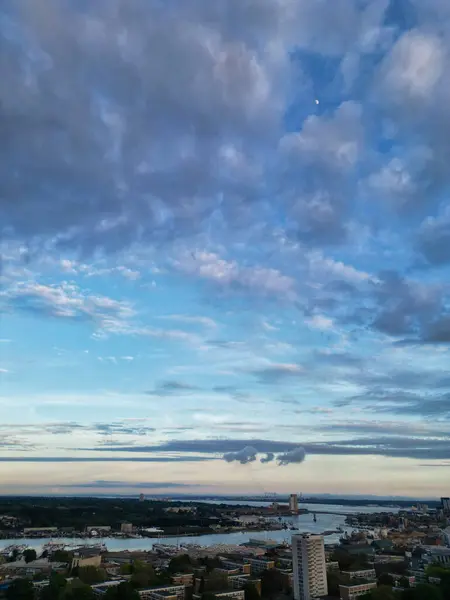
<point>397,578</point>
<point>293,503</point>
<point>332,565</point>
<point>354,590</point>
<point>285,563</point>
<point>183,579</point>
<point>258,565</point>
<point>233,594</point>
<point>232,564</point>
<point>100,589</point>
<point>239,581</point>
<point>437,554</point>
<point>126,527</point>
<point>172,592</point>
<point>20,568</point>
<point>310,574</point>
<point>361,574</point>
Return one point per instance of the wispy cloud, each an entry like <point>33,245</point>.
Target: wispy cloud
<point>224,273</point>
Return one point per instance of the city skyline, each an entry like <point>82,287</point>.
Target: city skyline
<point>225,247</point>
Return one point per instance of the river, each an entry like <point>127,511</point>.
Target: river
<point>304,523</point>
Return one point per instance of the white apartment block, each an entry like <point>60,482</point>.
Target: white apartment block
<point>354,590</point>
<point>163,593</point>
<point>361,574</point>
<point>310,574</point>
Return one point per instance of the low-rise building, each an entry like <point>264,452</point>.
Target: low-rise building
<point>238,582</point>
<point>234,564</point>
<point>30,531</point>
<point>332,565</point>
<point>285,563</point>
<point>398,578</point>
<point>183,579</point>
<point>95,529</point>
<point>353,549</point>
<point>86,557</point>
<point>20,568</point>
<point>388,558</point>
<point>170,592</point>
<point>233,594</point>
<point>258,565</point>
<point>100,589</point>
<point>354,590</point>
<point>361,574</point>
<point>437,554</point>
<point>126,527</point>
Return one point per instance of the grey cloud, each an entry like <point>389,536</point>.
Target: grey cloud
<point>269,457</point>
<point>433,239</point>
<point>294,456</point>
<point>339,359</point>
<point>225,389</point>
<point>320,159</point>
<point>405,307</point>
<point>214,446</point>
<point>122,428</point>
<point>113,144</point>
<point>106,152</point>
<point>172,387</point>
<point>417,447</point>
<point>86,459</point>
<point>145,485</point>
<point>274,373</point>
<point>404,402</point>
<point>244,456</point>
<point>398,428</point>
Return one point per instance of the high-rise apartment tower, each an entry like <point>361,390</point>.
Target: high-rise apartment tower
<point>310,573</point>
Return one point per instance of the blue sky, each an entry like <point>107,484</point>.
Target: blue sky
<point>225,246</point>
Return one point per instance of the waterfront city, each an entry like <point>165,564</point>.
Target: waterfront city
<point>211,550</point>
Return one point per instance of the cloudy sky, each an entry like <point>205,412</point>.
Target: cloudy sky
<point>225,248</point>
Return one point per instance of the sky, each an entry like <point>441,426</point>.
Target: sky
<point>225,247</point>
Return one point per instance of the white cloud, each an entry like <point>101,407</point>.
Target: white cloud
<point>335,142</point>
<point>320,322</point>
<point>268,326</point>
<point>259,280</point>
<point>320,265</point>
<point>414,67</point>
<point>204,321</point>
